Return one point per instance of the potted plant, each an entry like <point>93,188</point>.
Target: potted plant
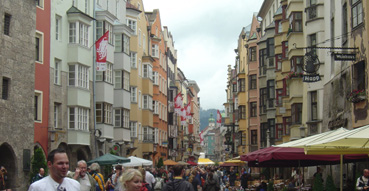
<point>356,96</point>
<point>293,75</point>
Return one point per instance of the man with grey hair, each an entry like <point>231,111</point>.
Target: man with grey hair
<point>95,168</point>
<point>87,182</point>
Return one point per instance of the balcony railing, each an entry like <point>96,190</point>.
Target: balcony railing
<point>311,12</point>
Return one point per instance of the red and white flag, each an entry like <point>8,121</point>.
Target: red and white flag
<point>201,138</point>
<point>102,52</point>
<point>188,111</point>
<point>178,100</point>
<point>183,116</point>
<point>219,118</point>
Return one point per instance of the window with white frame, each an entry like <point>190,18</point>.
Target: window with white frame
<point>133,25</point>
<point>57,117</point>
<point>156,107</point>
<point>159,110</point>
<point>147,71</point>
<point>58,29</point>
<point>148,134</point>
<point>118,43</point>
<point>357,13</point>
<point>118,79</point>
<point>118,117</point>
<point>40,3</point>
<point>133,94</point>
<point>102,27</point>
<point>147,102</point>
<point>57,71</point>
<point>133,128</point>
<point>78,118</point>
<point>156,135</point>
<point>126,44</point>
<point>121,80</point>
<point>125,118</point>
<point>83,34</point>
<point>79,76</point>
<point>39,41</point>
<point>139,132</point>
<point>121,118</point>
<point>133,60</point>
<point>107,75</point>
<point>108,113</point>
<point>72,33</point>
<point>155,50</point>
<point>87,6</point>
<point>38,106</point>
<point>156,78</point>
<point>126,77</point>
<point>104,113</point>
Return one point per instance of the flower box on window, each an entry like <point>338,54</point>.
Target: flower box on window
<point>356,96</point>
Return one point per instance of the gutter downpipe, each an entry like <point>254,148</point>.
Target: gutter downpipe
<point>94,73</point>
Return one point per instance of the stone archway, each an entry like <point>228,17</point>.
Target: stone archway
<point>8,160</point>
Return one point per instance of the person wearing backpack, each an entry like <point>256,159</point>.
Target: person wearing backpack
<point>100,183</point>
<point>178,183</point>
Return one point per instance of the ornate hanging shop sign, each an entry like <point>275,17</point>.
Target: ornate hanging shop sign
<point>310,67</point>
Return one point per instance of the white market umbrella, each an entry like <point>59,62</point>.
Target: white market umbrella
<point>136,161</point>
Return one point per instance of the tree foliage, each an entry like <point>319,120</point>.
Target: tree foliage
<point>329,184</point>
<point>318,183</point>
<point>160,163</point>
<point>38,161</point>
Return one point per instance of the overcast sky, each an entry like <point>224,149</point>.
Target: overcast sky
<point>205,34</point>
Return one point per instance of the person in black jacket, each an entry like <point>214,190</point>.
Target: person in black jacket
<point>232,176</point>
<point>178,184</point>
<point>211,184</point>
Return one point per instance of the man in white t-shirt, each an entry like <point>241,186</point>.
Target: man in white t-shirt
<point>58,164</point>
<point>87,182</point>
<point>149,178</point>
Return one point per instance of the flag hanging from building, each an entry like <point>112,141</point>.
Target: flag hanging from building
<point>102,52</point>
<point>178,103</point>
<point>188,111</point>
<point>183,116</point>
<point>219,118</point>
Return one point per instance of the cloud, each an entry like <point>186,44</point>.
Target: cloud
<point>205,34</point>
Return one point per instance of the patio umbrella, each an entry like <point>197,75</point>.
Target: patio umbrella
<point>205,161</point>
<point>136,161</point>
<point>109,159</point>
<point>291,157</point>
<point>170,163</point>
<point>235,161</point>
<point>353,141</point>
<point>301,143</point>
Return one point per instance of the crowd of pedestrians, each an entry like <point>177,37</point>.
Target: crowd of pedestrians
<point>174,178</point>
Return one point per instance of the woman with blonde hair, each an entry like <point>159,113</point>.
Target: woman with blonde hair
<point>131,180</point>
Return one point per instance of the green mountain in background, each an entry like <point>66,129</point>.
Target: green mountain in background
<point>205,115</point>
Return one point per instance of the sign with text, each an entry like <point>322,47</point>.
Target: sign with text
<point>311,78</point>
<point>344,56</point>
